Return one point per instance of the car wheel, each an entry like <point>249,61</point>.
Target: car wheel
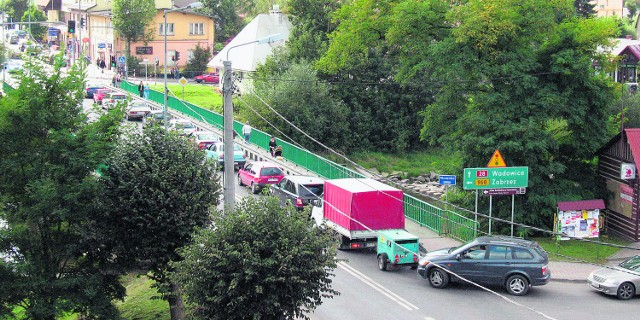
<point>438,278</point>
<point>240,181</point>
<point>517,285</point>
<point>383,260</point>
<point>254,188</point>
<point>626,291</point>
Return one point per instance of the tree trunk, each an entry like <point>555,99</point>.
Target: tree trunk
<point>176,305</point>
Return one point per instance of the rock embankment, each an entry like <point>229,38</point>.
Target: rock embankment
<point>426,184</point>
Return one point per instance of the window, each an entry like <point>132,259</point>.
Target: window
<point>196,28</point>
<point>169,29</point>
<point>521,253</point>
<point>475,252</point>
<point>499,253</point>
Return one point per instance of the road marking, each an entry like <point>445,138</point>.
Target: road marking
<point>378,287</point>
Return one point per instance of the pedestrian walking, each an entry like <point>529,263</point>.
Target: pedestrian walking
<point>118,79</point>
<point>246,131</point>
<point>114,80</point>
<point>272,145</point>
<point>146,90</point>
<point>141,89</point>
<point>102,65</point>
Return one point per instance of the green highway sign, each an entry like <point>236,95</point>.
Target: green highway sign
<point>495,178</point>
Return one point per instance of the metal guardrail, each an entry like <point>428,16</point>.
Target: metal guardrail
<point>439,220</point>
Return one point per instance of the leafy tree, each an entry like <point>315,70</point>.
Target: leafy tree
<point>227,16</point>
<point>633,6</point>
<point>585,8</point>
<point>15,8</point>
<point>311,21</point>
<point>260,261</point>
<point>37,31</point>
<point>47,188</point>
<point>158,189</point>
<point>131,18</point>
<point>299,97</point>
<point>198,63</point>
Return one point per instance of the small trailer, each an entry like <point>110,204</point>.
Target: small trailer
<point>397,248</point>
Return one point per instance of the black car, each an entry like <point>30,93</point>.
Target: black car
<point>516,264</point>
<point>298,190</point>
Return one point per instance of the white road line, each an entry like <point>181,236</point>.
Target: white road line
<point>378,287</point>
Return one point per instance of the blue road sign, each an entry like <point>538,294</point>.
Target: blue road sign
<point>447,180</point>
<point>122,60</point>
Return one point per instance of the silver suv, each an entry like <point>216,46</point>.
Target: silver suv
<point>516,264</point>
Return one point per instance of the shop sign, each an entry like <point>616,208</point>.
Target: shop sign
<point>144,50</point>
<point>627,171</point>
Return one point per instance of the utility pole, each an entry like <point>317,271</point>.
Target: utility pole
<point>227,136</point>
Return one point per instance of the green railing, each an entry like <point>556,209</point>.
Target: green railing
<point>6,87</point>
<point>428,215</point>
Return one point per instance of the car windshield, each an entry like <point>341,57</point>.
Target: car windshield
<point>184,125</point>
<point>272,171</point>
<point>632,264</point>
<point>236,147</point>
<point>311,189</point>
<point>206,137</point>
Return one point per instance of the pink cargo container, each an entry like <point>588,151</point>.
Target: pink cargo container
<point>352,204</point>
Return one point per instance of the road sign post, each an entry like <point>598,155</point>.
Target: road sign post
<point>183,81</point>
<point>446,181</point>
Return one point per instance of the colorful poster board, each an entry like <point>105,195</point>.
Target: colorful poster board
<point>579,219</point>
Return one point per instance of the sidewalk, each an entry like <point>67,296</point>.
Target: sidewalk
<point>560,270</point>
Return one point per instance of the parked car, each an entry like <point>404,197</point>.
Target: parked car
<point>208,78</point>
<point>137,110</point>
<point>298,190</point>
<point>13,39</point>
<point>258,175</point>
<point>182,126</point>
<point>203,139</point>
<point>216,152</point>
<point>112,99</point>
<point>99,95</point>
<point>91,89</point>
<point>622,281</point>
<point>514,263</point>
<point>157,117</point>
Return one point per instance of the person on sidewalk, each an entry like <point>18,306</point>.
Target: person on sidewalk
<point>246,131</point>
<point>272,145</point>
<point>146,90</point>
<point>141,89</point>
<point>102,65</point>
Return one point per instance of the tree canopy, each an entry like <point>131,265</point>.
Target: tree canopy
<point>259,261</point>
<point>131,18</point>
<point>37,31</point>
<point>158,190</point>
<point>47,188</point>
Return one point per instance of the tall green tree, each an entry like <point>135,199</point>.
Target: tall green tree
<point>131,18</point>
<point>296,93</point>
<point>37,31</point>
<point>15,9</point>
<point>260,261</point>
<point>198,63</point>
<point>585,8</point>
<point>227,16</point>
<point>47,192</point>
<point>633,6</point>
<point>311,21</point>
<point>159,189</point>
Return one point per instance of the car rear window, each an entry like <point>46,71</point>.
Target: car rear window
<point>521,253</point>
<point>311,189</point>
<point>271,172</point>
<point>206,137</point>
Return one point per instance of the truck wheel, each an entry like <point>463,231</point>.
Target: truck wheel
<point>382,261</point>
<point>438,278</point>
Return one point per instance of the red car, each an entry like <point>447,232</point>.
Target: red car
<point>99,95</point>
<point>258,175</point>
<point>208,78</point>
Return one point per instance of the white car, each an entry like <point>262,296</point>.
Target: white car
<point>622,281</point>
<point>112,98</point>
<point>137,110</point>
<point>184,127</point>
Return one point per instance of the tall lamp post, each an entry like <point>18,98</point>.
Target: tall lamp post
<point>227,136</point>
<point>194,5</point>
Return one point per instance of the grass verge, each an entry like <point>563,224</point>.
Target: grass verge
<point>202,95</point>
<point>140,303</point>
<point>587,251</point>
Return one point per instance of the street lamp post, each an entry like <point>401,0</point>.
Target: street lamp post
<point>194,5</point>
<point>227,134</point>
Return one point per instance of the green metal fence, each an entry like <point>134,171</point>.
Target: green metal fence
<point>426,214</point>
<point>6,87</point>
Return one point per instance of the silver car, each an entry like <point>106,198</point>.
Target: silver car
<point>622,281</point>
